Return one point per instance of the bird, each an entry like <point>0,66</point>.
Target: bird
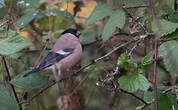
<point>65,53</point>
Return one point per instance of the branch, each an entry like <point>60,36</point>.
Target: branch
<point>142,6</point>
<point>9,78</point>
<point>87,65</point>
<point>77,72</point>
<point>169,89</point>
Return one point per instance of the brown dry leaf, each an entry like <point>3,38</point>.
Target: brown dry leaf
<point>85,10</point>
<point>28,35</point>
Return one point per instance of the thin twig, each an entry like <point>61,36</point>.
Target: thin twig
<point>108,54</point>
<point>38,60</point>
<point>9,78</point>
<point>134,47</point>
<point>142,6</point>
<point>169,89</point>
<point>81,82</point>
<point>129,93</point>
<point>130,15</point>
<point>117,90</point>
<point>145,105</point>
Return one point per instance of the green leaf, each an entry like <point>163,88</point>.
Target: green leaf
<point>58,12</point>
<point>163,27</point>
<point>165,101</point>
<point>30,82</point>
<point>124,60</point>
<point>148,96</point>
<point>134,82</point>
<point>172,35</point>
<point>12,44</point>
<point>169,52</point>
<point>28,3</point>
<point>87,38</point>
<point>167,9</point>
<point>100,11</point>
<point>2,12</point>
<point>173,17</point>
<point>27,18</point>
<point>169,14</point>
<point>2,3</point>
<point>6,101</point>
<point>147,60</point>
<point>116,20</point>
<point>133,3</point>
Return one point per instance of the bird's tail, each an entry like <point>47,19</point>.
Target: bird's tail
<point>31,72</point>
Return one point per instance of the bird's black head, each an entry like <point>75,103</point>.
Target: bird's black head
<point>72,31</point>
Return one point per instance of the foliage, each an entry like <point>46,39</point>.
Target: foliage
<point>100,12</point>
<point>7,102</point>
<point>134,82</point>
<point>14,40</point>
<point>126,61</point>
<point>164,27</point>
<point>26,26</point>
<point>28,4</point>
<point>27,18</point>
<point>32,82</point>
<point>168,51</point>
<point>165,101</point>
<point>117,19</point>
<point>131,3</point>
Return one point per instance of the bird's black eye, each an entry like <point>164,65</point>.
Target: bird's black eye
<point>78,33</point>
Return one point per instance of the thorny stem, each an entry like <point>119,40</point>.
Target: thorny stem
<point>155,74</point>
<point>152,10</point>
<point>155,59</point>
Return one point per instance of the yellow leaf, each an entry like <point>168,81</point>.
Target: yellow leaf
<point>68,6</point>
<point>89,6</point>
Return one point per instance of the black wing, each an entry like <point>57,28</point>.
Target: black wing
<point>54,57</point>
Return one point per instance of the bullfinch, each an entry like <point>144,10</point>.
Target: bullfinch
<point>65,53</point>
